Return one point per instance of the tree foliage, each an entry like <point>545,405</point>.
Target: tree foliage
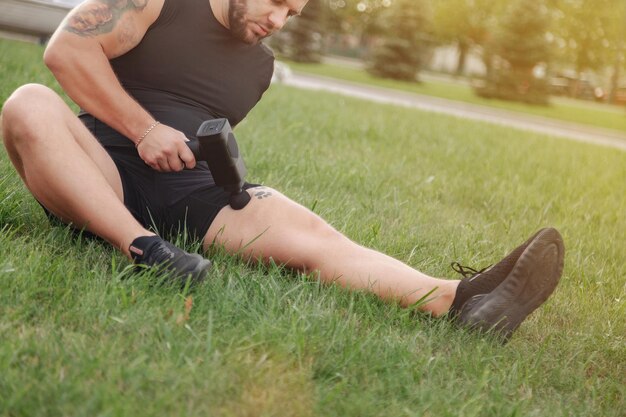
<point>519,45</point>
<point>355,17</point>
<point>405,40</point>
<point>591,36</point>
<point>396,35</point>
<point>583,28</point>
<point>301,39</point>
<point>465,23</point>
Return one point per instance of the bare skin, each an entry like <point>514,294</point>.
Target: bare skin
<point>68,171</point>
<point>65,167</point>
<point>273,226</point>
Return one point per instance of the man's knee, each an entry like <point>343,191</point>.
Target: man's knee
<point>315,238</point>
<point>27,102</point>
<point>317,228</point>
<point>26,109</point>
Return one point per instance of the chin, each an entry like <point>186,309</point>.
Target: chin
<point>251,38</point>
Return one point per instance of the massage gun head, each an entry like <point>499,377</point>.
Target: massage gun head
<point>217,146</point>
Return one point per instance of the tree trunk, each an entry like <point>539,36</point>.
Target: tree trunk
<point>463,47</point>
<point>488,61</point>
<point>620,53</point>
<point>615,79</point>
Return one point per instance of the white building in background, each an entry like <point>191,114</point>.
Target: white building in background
<point>34,18</point>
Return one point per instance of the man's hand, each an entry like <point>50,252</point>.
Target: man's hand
<point>165,150</point>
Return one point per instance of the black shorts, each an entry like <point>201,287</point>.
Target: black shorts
<point>169,203</point>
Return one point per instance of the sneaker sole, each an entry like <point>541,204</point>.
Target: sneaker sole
<point>529,284</point>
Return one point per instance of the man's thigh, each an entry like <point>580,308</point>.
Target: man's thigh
<point>37,113</point>
<point>97,153</point>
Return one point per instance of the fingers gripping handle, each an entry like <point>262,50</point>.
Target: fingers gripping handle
<point>194,146</point>
<point>216,144</point>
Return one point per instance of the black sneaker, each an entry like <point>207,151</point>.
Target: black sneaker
<point>484,281</point>
<point>533,278</point>
<point>153,251</point>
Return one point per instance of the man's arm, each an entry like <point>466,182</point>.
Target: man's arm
<point>78,55</point>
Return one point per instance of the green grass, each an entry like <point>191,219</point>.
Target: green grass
<point>20,63</point>
<point>80,335</point>
<point>604,116</point>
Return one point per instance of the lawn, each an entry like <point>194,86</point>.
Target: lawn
<point>81,335</point>
<point>586,113</point>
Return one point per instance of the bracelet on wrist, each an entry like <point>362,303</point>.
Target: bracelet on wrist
<point>148,130</point>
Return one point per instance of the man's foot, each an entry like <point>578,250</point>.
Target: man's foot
<point>533,278</point>
<point>487,279</point>
<point>153,251</point>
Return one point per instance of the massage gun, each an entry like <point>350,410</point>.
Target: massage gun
<point>216,144</point>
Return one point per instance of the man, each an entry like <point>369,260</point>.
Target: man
<point>146,74</point>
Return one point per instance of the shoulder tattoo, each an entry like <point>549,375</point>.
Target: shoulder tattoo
<point>101,16</point>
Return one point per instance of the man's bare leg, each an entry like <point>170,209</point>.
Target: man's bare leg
<point>65,167</point>
<point>278,228</point>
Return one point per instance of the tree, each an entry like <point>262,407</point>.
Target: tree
<point>616,34</point>
<point>354,16</point>
<point>351,24</point>
<point>466,23</point>
<point>615,42</point>
<point>582,27</point>
<point>404,41</point>
<point>301,39</point>
<point>519,45</point>
<point>591,37</point>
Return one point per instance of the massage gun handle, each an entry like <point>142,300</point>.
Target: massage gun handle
<point>228,171</point>
<point>194,146</point>
<point>216,144</point>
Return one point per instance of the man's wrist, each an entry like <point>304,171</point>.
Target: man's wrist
<point>146,132</point>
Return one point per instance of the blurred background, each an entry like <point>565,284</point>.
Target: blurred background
<point>516,50</point>
<point>510,49</point>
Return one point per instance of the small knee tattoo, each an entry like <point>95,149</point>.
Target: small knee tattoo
<point>262,193</point>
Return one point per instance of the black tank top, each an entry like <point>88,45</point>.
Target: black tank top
<point>189,68</point>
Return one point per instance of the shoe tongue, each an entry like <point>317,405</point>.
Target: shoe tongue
<point>466,289</point>
<point>142,245</point>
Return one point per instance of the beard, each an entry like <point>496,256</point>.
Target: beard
<point>237,11</point>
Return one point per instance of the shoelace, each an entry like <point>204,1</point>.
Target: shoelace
<point>467,271</point>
